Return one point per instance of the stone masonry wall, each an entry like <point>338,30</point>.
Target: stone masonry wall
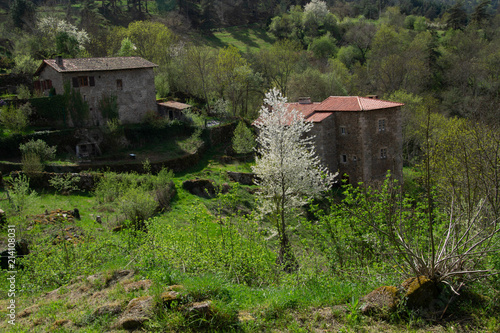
<point>135,95</point>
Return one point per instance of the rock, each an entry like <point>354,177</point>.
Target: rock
<point>118,228</point>
<point>76,213</point>
<point>200,187</point>
<point>21,249</point>
<point>225,188</point>
<point>199,308</point>
<point>244,178</point>
<point>138,311</point>
<point>169,297</point>
<point>108,309</point>
<point>382,300</point>
<point>419,292</point>
<point>136,285</point>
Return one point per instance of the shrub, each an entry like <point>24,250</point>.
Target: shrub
<point>31,164</point>
<point>14,119</point>
<point>108,106</point>
<point>39,148</point>
<point>137,206</point>
<point>65,184</point>
<point>243,140</point>
<point>23,92</point>
<point>19,193</point>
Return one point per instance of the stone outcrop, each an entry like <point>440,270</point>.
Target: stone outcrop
<point>244,178</point>
<point>201,187</point>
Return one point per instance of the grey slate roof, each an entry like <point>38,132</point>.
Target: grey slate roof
<point>96,64</point>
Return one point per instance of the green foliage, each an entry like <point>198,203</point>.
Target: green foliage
<point>108,106</point>
<point>127,48</point>
<point>66,45</point>
<point>38,148</point>
<point>138,196</point>
<point>65,183</point>
<point>137,206</point>
<point>243,139</point>
<point>15,119</point>
<point>77,107</point>
<point>31,164</point>
<point>19,193</point>
<point>22,12</point>
<point>162,85</point>
<point>25,64</point>
<point>52,108</point>
<point>23,92</point>
<point>323,47</point>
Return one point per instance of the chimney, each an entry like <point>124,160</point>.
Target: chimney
<point>372,96</point>
<point>59,61</point>
<point>305,100</point>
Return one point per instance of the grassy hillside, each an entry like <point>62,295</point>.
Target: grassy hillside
<point>203,264</point>
<point>245,38</point>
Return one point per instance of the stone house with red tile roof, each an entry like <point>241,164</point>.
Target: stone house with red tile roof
<point>130,79</point>
<point>357,136</point>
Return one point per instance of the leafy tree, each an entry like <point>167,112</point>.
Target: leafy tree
<point>66,45</point>
<point>39,148</point>
<point>108,106</point>
<point>279,62</point>
<point>243,140</point>
<point>323,47</point>
<point>127,49</point>
<point>15,119</point>
<point>77,107</point>
<point>287,169</point>
<point>360,35</point>
<point>25,64</point>
<point>22,13</point>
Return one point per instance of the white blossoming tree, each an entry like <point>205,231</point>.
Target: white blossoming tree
<point>288,170</point>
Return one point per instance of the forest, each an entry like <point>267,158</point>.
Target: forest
<point>324,255</point>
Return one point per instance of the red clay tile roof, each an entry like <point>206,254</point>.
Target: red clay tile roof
<point>175,105</point>
<point>96,64</point>
<point>318,117</point>
<point>354,103</point>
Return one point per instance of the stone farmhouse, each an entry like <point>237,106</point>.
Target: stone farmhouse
<point>357,136</point>
<point>130,79</point>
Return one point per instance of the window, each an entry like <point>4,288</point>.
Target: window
<point>381,125</point>
<point>343,130</point>
<point>344,158</point>
<point>354,158</point>
<point>119,84</point>
<point>383,153</point>
<point>83,81</point>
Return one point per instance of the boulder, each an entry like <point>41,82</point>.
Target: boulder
<point>244,178</point>
<point>21,249</point>
<point>382,300</point>
<point>138,311</point>
<point>420,292</point>
<point>201,187</point>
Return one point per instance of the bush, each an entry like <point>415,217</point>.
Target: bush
<point>65,184</point>
<point>39,148</point>
<point>31,164</point>
<point>137,206</point>
<point>243,140</point>
<point>15,119</point>
<point>19,193</point>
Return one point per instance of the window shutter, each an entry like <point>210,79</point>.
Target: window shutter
<point>49,84</point>
<point>75,82</point>
<point>37,85</point>
<point>91,81</point>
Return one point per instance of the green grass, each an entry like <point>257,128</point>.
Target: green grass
<point>244,38</point>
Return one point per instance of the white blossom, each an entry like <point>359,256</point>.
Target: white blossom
<point>52,26</point>
<point>288,170</point>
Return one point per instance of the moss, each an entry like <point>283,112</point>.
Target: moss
<point>419,291</point>
<point>381,300</point>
